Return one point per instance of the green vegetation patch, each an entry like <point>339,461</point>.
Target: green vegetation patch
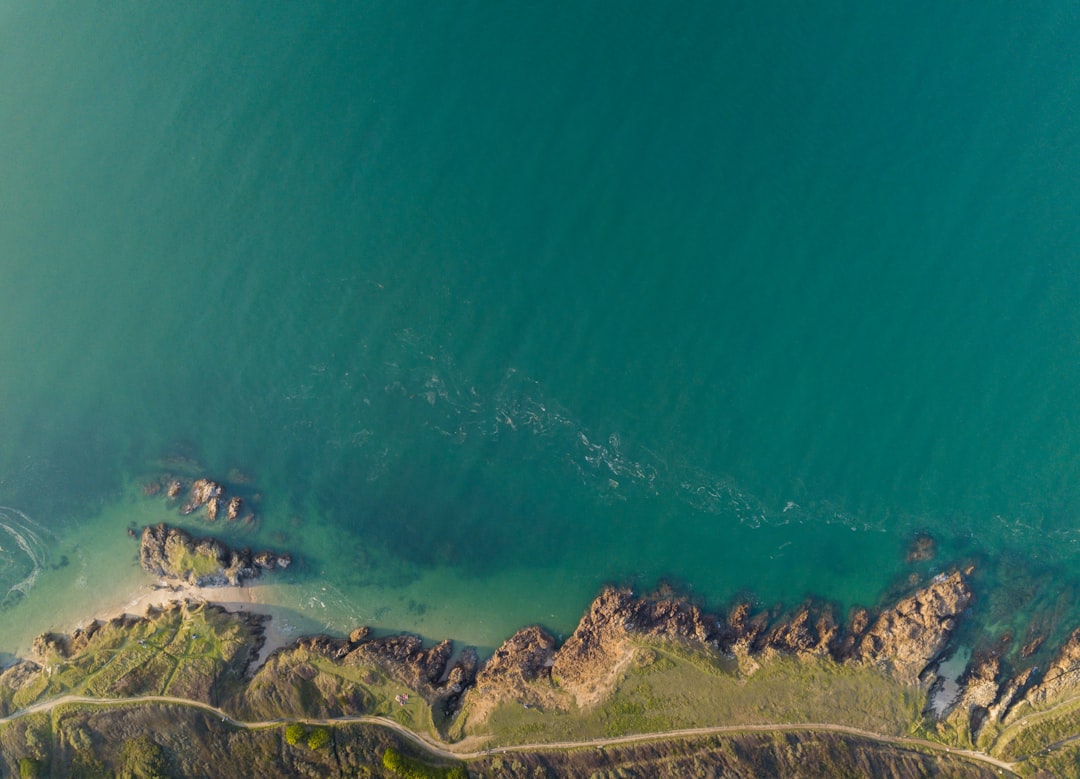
<point>412,768</point>
<point>667,689</point>
<point>192,652</point>
<point>188,563</point>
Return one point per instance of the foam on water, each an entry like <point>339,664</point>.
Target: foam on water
<point>496,301</point>
<point>29,538</point>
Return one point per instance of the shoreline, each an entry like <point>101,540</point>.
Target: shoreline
<point>236,599</point>
<point>742,672</point>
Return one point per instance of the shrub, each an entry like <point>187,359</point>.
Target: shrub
<point>143,758</point>
<point>295,733</point>
<point>411,768</point>
<point>29,768</point>
<point>319,738</point>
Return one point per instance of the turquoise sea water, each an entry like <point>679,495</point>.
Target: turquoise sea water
<point>499,302</point>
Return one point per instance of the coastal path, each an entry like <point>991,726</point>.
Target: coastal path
<point>443,751</point>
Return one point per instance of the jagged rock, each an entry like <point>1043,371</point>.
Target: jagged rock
<point>1012,692</point>
<point>597,650</point>
<point>1062,675</point>
<point>205,562</point>
<point>979,684</point>
<point>811,631</point>
<point>202,491</point>
<point>909,635</point>
<point>463,672</point>
<point>359,634</point>
<point>405,658</point>
<point>174,489</point>
<point>524,657</point>
<point>1032,646</point>
<point>212,507</point>
<point>232,512</point>
<point>19,674</point>
<point>741,629</point>
<point>334,648</point>
<point>49,645</point>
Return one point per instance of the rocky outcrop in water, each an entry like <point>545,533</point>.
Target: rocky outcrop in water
<point>909,635</point>
<point>203,492</point>
<point>190,495</point>
<point>173,554</point>
<point>1061,676</point>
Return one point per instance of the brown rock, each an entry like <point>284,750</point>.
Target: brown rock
<point>212,507</point>
<point>524,657</point>
<point>232,513</point>
<point>1062,675</point>
<point>909,635</point>
<point>812,630</point>
<point>174,489</point>
<point>405,658</point>
<point>979,683</point>
<point>1032,646</point>
<point>200,494</point>
<point>598,650</point>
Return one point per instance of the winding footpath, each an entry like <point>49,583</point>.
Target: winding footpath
<point>442,751</point>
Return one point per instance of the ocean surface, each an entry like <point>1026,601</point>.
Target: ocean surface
<point>484,305</point>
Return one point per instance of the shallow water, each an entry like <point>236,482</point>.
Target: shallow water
<point>497,305</point>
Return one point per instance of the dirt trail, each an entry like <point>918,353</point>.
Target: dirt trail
<point>442,750</point>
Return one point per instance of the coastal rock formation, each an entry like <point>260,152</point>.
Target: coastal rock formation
<point>812,630</point>
<point>327,677</point>
<point>1061,676</point>
<point>203,562</point>
<point>598,650</point>
<point>908,636</point>
<point>520,669</point>
<point>201,493</point>
<point>406,659</point>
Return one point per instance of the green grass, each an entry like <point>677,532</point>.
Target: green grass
<point>672,689</point>
<point>1033,731</point>
<point>196,564</point>
<point>194,653</point>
